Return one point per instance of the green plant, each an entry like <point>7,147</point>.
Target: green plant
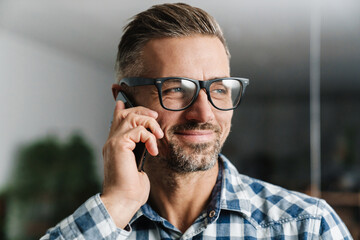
<point>49,181</point>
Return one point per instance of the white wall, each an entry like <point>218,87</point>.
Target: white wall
<point>46,91</point>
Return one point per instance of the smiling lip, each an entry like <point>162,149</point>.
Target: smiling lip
<point>196,136</point>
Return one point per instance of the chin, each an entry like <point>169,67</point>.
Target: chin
<point>193,157</point>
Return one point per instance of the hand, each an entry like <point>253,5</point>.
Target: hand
<point>126,189</point>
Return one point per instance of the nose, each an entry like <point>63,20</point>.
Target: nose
<point>201,110</point>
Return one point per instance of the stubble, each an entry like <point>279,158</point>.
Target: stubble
<point>192,157</point>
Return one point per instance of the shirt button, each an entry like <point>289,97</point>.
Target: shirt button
<point>212,213</point>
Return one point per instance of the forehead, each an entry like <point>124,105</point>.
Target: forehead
<point>199,57</point>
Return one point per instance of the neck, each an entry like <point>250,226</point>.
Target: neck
<point>179,197</point>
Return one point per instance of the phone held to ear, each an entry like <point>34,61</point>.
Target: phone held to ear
<point>140,149</point>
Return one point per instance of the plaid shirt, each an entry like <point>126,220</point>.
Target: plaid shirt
<point>240,208</point>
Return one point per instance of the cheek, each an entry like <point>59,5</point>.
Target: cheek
<point>162,120</point>
<point>166,120</point>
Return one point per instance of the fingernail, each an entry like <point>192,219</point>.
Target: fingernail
<point>155,114</point>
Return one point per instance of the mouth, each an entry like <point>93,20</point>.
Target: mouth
<point>196,136</point>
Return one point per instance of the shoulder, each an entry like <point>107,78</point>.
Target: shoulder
<point>278,210</point>
<point>268,202</point>
<point>279,203</point>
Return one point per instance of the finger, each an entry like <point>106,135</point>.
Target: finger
<point>121,112</point>
<point>132,120</point>
<point>140,134</point>
<point>148,122</point>
<point>119,106</point>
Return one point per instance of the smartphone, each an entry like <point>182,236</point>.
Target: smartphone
<point>140,149</point>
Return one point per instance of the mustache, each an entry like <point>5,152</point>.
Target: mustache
<point>195,126</point>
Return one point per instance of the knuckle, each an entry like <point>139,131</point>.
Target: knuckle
<point>141,128</point>
<point>151,120</point>
<point>131,114</point>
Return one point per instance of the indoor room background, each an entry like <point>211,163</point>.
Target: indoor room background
<point>297,126</point>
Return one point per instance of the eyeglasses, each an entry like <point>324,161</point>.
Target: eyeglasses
<point>178,93</point>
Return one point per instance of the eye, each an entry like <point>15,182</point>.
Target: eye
<point>219,91</point>
<point>173,90</point>
<point>178,89</point>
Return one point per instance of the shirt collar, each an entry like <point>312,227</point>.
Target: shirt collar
<point>228,194</point>
<point>234,196</point>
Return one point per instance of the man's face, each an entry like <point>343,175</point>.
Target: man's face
<point>192,137</point>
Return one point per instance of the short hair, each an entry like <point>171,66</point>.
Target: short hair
<point>160,21</point>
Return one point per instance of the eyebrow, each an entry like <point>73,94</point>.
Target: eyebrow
<point>218,77</point>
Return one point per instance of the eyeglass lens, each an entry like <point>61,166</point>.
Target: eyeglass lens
<point>180,93</point>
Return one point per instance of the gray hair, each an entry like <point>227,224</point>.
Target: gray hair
<point>159,21</point>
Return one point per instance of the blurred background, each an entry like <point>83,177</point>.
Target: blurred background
<point>56,70</point>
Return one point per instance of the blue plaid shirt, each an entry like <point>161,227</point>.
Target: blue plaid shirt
<point>240,208</point>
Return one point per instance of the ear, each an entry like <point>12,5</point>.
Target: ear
<point>116,88</point>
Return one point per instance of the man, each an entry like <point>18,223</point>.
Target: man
<point>173,66</point>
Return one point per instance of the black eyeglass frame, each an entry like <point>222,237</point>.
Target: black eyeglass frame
<point>139,81</point>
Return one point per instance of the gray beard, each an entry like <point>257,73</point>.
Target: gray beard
<point>199,157</point>
<point>183,157</point>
